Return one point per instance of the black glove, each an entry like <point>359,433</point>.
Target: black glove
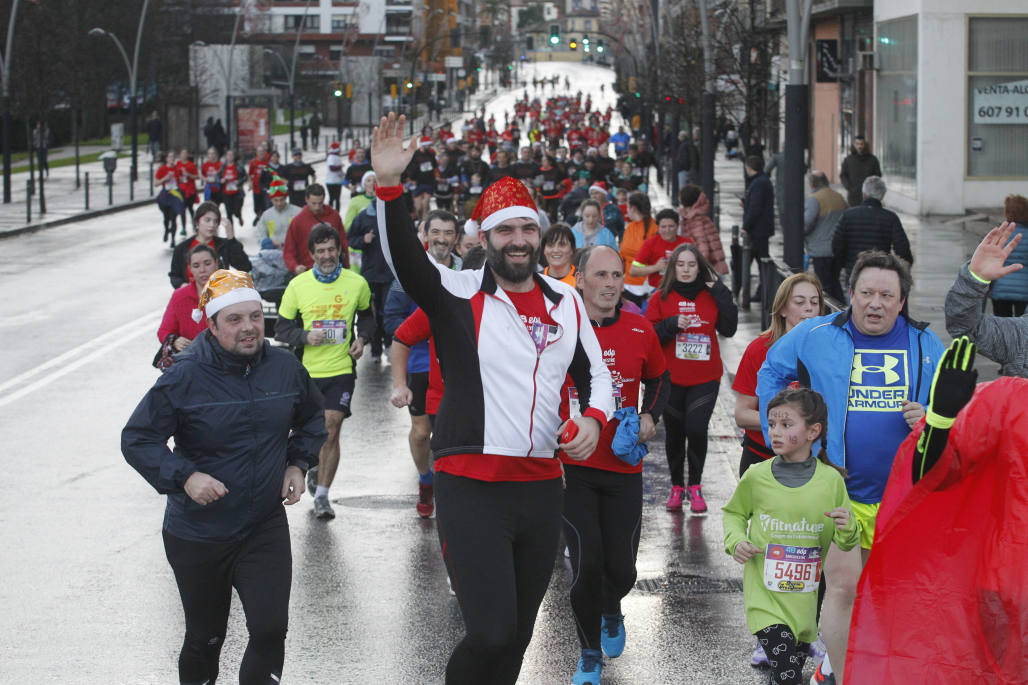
<point>953,385</point>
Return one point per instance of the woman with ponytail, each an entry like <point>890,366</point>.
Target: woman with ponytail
<point>779,524</point>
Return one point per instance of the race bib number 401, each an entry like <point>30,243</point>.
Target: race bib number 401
<point>334,330</point>
<point>792,569</point>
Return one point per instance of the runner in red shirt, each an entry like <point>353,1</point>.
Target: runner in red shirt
<point>799,297</point>
<point>211,172</point>
<point>688,312</point>
<point>170,202</point>
<point>654,254</point>
<point>257,165</point>
<point>186,175</point>
<point>603,494</point>
<point>232,178</point>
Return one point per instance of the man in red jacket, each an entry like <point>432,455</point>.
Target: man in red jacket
<point>295,253</point>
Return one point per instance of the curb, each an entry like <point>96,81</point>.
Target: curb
<point>81,216</point>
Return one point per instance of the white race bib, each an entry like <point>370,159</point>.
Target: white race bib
<point>792,569</point>
<point>232,187</point>
<point>299,185</point>
<point>334,330</point>
<point>574,407</point>
<point>692,346</point>
<point>426,167</point>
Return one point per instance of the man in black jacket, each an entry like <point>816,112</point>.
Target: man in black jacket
<point>235,462</point>
<point>858,165</point>
<point>758,217</point>
<point>869,226</point>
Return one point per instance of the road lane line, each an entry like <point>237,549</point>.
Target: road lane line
<point>77,357</point>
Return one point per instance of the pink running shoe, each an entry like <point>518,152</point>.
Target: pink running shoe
<point>674,502</point>
<point>697,504</point>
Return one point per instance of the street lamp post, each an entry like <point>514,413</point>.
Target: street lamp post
<point>226,73</point>
<point>5,68</point>
<point>132,67</point>
<point>292,99</point>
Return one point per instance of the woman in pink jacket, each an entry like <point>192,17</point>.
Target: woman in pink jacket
<point>695,223</point>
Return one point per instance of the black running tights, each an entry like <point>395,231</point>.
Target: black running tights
<point>260,568</point>
<point>602,517</point>
<point>499,542</point>
<point>686,418</point>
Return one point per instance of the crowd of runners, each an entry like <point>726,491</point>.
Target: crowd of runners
<point>541,320</point>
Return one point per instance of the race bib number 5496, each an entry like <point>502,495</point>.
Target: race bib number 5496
<point>792,569</point>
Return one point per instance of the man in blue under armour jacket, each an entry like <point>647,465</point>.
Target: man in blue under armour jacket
<point>874,367</point>
<point>506,338</point>
<point>248,423</point>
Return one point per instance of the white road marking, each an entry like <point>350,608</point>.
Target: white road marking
<point>78,357</point>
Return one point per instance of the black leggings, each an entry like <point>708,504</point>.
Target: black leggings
<point>784,654</point>
<point>499,542</point>
<point>259,567</point>
<point>602,519</point>
<point>233,206</point>
<point>379,338</point>
<point>686,417</point>
<point>333,194</point>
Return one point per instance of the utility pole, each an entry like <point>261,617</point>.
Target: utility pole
<point>797,116</point>
<point>707,109</point>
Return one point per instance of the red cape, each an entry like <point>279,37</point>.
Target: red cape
<point>944,596</point>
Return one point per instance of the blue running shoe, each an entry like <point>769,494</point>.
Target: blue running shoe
<point>612,635</point>
<point>590,666</point>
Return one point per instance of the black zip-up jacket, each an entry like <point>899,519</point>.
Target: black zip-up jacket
<point>242,421</point>
<point>869,227</point>
<point>758,214</point>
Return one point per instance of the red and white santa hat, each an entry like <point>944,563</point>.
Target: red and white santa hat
<point>599,187</point>
<point>505,199</point>
<point>424,141</point>
<point>334,147</point>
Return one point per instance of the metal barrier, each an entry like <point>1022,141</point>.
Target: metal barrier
<point>772,273</point>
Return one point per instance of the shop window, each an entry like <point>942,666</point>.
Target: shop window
<point>896,104</point>
<point>997,97</point>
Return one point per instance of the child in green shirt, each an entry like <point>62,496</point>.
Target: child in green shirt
<point>779,523</point>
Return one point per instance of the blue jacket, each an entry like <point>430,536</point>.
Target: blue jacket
<point>240,421</point>
<point>758,214</point>
<point>603,237</point>
<point>1014,286</point>
<point>398,307</point>
<point>818,353</point>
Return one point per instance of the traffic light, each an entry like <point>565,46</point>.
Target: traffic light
<point>599,46</point>
<point>349,91</point>
<point>392,90</point>
<point>337,90</point>
<point>585,40</point>
<point>409,85</point>
<point>573,44</point>
<point>554,34</point>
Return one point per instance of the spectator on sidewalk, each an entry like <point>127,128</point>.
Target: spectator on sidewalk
<point>821,214</point>
<point>695,223</point>
<point>687,161</point>
<point>869,226</point>
<point>858,165</point>
<point>41,141</point>
<point>758,208</point>
<point>1004,340</point>
<point>1010,293</point>
<point>315,126</point>
<point>154,134</point>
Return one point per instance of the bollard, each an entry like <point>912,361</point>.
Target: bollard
<point>151,178</point>
<point>747,263</point>
<point>42,197</point>
<point>110,190</point>
<point>28,202</point>
<point>132,189</point>
<point>87,190</point>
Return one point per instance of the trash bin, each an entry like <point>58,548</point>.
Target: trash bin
<point>110,160</point>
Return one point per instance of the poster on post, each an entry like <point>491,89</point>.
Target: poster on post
<point>252,128</point>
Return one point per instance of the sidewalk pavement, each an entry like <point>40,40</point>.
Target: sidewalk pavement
<point>65,202</point>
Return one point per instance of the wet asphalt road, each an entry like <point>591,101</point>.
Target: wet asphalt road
<point>89,598</point>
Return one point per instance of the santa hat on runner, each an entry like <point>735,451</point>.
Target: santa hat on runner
<point>506,199</point>
<point>599,187</point>
<point>366,176</point>
<point>334,147</point>
<point>277,187</point>
<point>471,228</point>
<point>424,141</point>
<point>225,287</point>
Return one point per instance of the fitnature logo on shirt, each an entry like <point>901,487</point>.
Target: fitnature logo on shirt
<point>771,524</point>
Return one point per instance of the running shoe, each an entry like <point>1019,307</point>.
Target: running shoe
<point>425,505</point>
<point>697,504</point>
<point>818,649</point>
<point>312,480</point>
<point>323,509</point>
<point>759,659</point>
<point>590,666</point>
<point>674,502</point>
<point>820,678</point>
<point>612,635</point>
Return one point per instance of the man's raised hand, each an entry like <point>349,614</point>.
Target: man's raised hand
<point>388,158</point>
<point>988,258</point>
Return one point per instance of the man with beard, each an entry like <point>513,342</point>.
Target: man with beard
<point>506,338</point>
<point>411,360</point>
<point>328,297</point>
<point>235,463</point>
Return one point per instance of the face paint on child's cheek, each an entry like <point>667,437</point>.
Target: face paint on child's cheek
<point>793,440</point>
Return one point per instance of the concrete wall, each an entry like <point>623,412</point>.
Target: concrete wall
<point>942,106</point>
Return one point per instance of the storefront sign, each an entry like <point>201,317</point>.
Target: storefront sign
<point>1001,103</point>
